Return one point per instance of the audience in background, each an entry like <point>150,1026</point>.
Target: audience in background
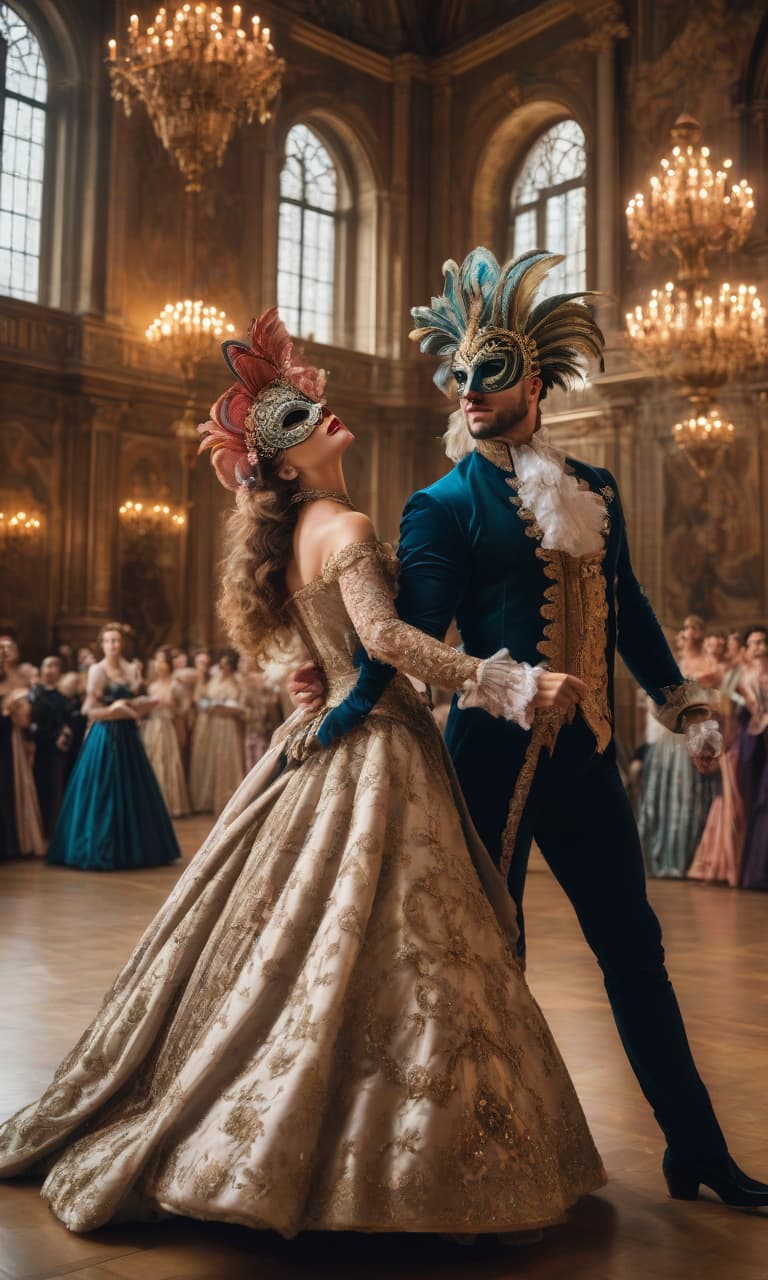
<point>29,825</point>
<point>214,722</point>
<point>52,717</point>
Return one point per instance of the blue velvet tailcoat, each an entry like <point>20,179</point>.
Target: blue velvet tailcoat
<point>468,550</point>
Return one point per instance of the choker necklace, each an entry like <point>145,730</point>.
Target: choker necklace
<point>314,495</point>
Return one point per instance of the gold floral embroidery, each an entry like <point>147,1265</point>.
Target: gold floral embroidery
<point>334,1033</point>
<point>497,452</point>
<point>575,613</point>
<point>368,598</point>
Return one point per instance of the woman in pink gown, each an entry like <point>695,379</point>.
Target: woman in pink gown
<point>718,856</point>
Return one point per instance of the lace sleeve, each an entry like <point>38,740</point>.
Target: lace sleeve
<point>368,598</point>
<point>497,684</point>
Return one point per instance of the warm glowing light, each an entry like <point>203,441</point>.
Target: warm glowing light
<point>692,210</point>
<point>701,338</point>
<point>151,517</point>
<point>199,79</point>
<point>19,526</point>
<point>187,331</point>
<point>703,436</point>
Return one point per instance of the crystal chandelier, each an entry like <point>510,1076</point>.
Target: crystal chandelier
<point>702,436</point>
<point>700,339</point>
<point>692,210</point>
<point>151,517</point>
<point>17,527</point>
<point>200,77</point>
<point>698,333</point>
<point>188,331</point>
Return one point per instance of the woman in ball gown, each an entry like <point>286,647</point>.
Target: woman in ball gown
<point>200,774</point>
<point>676,798</point>
<point>263,714</point>
<point>718,857</point>
<point>325,1026</point>
<point>9,840</point>
<point>753,759</point>
<point>225,764</point>
<point>29,823</point>
<point>113,816</point>
<point>160,734</point>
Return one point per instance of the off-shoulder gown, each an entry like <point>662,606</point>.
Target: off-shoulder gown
<point>325,1026</point>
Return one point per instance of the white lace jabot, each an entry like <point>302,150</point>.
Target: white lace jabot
<point>571,518</point>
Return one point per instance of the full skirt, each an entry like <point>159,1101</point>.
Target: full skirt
<point>674,805</point>
<point>113,816</point>
<point>161,743</point>
<point>753,776</point>
<point>324,1027</point>
<point>718,857</point>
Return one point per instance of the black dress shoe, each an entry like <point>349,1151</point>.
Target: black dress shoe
<point>724,1177</point>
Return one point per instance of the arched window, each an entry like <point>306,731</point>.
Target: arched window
<point>307,249</point>
<point>23,94</point>
<point>548,209</point>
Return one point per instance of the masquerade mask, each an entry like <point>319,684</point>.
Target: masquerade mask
<point>276,403</point>
<point>280,417</point>
<point>494,360</point>
<point>490,331</point>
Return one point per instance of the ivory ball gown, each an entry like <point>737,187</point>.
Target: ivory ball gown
<point>325,1026</point>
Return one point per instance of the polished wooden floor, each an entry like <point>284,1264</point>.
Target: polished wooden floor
<point>63,934</point>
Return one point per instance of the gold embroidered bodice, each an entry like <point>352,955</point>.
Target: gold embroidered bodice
<point>353,602</point>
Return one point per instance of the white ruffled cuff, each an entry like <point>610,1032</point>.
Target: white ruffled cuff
<point>704,736</point>
<point>503,688</point>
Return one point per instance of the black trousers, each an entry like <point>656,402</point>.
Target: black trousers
<point>580,817</point>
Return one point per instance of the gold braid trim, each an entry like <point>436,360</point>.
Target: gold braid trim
<point>546,727</point>
<point>575,611</point>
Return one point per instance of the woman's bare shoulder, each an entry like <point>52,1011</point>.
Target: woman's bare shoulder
<point>348,527</point>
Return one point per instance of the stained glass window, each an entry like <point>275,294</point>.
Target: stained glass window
<point>306,248</point>
<point>549,205</point>
<point>23,94</point>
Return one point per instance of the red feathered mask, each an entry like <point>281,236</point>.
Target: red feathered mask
<point>267,357</point>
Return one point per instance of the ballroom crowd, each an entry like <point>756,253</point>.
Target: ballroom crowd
<point>711,828</point>
<point>205,721</point>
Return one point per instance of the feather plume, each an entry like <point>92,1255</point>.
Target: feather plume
<point>480,294</point>
<point>268,354</point>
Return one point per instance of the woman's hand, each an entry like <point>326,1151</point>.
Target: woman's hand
<point>122,710</point>
<point>142,706</point>
<point>305,688</point>
<point>556,689</point>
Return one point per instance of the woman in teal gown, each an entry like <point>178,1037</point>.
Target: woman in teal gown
<point>113,816</point>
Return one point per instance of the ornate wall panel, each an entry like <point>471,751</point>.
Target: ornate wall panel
<point>429,108</point>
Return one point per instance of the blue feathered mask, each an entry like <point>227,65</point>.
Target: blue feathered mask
<point>490,332</point>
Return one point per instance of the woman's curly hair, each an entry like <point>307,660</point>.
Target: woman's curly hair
<point>258,543</point>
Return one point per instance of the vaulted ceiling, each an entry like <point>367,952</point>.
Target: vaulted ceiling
<point>409,26</point>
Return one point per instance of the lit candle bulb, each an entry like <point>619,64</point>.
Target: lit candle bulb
<point>236,12</point>
<point>112,50</point>
<point>256,20</point>
<point>265,35</point>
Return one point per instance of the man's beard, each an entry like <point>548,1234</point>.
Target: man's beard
<point>503,421</point>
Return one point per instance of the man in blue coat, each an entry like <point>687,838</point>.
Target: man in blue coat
<point>528,551</point>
